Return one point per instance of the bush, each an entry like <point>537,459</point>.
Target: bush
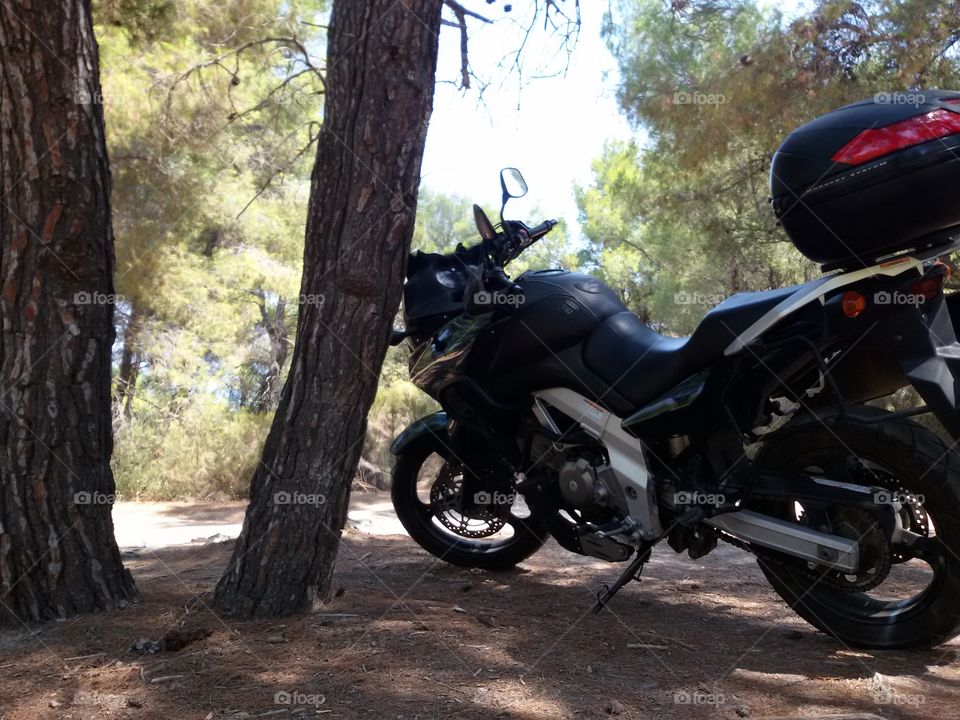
<point>206,451</point>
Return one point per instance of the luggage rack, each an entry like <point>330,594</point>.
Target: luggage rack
<point>944,241</point>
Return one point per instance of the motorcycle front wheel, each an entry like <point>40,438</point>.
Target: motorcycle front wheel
<point>490,529</point>
<point>907,593</point>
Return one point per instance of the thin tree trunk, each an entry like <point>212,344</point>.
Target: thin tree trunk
<point>58,555</point>
<point>276,329</point>
<point>129,366</point>
<point>132,384</point>
<point>381,67</point>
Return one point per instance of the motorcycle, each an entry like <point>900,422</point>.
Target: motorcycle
<point>566,416</point>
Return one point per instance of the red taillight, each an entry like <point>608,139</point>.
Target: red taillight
<point>875,142</point>
<point>930,285</point>
<point>853,303</point>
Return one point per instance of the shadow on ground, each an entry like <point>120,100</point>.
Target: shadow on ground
<point>410,637</point>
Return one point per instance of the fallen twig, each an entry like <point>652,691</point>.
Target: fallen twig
<point>164,678</point>
<point>83,657</point>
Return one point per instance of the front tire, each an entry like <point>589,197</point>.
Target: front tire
<point>418,518</point>
<point>900,454</point>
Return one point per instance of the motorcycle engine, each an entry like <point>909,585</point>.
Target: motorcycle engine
<point>583,485</point>
<point>590,487</point>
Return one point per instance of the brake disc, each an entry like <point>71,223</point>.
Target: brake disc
<point>912,516</point>
<point>467,517</point>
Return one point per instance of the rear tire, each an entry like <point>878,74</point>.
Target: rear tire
<point>917,460</point>
<point>417,518</point>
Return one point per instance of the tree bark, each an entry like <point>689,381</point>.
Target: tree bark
<point>58,555</point>
<point>381,66</point>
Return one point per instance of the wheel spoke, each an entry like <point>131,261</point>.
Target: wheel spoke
<point>446,503</point>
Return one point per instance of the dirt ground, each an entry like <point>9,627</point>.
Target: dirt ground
<point>411,638</point>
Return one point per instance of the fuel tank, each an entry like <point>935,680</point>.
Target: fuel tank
<point>510,351</point>
<point>560,309</point>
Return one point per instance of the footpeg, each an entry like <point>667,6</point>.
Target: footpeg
<point>627,526</point>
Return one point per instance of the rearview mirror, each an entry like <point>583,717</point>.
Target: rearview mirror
<point>513,184</point>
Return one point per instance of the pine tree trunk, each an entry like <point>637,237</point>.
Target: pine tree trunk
<point>58,555</point>
<point>381,66</point>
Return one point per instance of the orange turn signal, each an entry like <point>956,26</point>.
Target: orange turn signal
<point>853,303</point>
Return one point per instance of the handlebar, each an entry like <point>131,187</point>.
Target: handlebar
<point>542,229</point>
<point>517,237</point>
<point>491,288</point>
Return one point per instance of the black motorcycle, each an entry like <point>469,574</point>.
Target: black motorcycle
<point>565,415</point>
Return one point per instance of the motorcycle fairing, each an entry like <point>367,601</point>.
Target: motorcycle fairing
<point>433,424</point>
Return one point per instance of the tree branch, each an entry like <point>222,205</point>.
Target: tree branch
<point>461,10</point>
<point>279,172</point>
<point>461,14</point>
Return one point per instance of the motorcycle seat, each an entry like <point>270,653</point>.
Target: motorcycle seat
<point>640,364</point>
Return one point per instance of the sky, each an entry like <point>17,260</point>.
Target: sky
<point>559,127</point>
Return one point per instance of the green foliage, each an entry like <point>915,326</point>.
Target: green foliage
<point>442,222</point>
<point>398,403</point>
<point>717,85</point>
<point>142,20</point>
<point>211,113</point>
<point>207,450</point>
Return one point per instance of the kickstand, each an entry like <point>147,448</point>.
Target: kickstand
<point>606,593</point>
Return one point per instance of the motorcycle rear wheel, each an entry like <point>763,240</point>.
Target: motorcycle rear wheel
<point>907,458</point>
